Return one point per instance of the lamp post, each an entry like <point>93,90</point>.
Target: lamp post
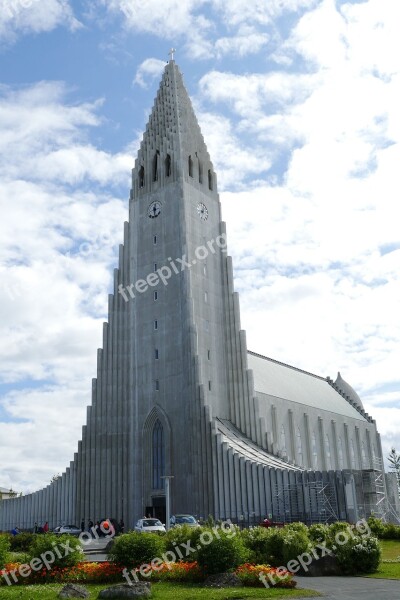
<point>167,499</point>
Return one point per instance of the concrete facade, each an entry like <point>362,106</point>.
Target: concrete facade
<point>177,392</point>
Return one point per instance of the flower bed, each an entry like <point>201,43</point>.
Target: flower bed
<point>261,575</point>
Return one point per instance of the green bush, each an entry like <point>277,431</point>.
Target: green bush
<point>178,538</point>
<point>257,542</point>
<point>337,532</point>
<point>55,544</point>
<point>297,526</point>
<point>22,542</point>
<point>295,543</point>
<point>4,549</point>
<point>220,551</point>
<point>318,533</point>
<point>135,549</point>
<point>359,555</point>
<point>274,547</point>
<point>390,532</point>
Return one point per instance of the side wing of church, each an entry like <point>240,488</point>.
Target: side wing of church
<point>178,393</point>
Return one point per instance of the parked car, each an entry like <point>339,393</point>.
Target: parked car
<point>183,520</point>
<point>71,529</point>
<point>149,526</point>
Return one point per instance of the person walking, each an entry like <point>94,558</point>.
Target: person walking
<point>46,527</point>
<point>83,525</point>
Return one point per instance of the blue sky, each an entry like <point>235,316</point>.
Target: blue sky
<point>298,102</point>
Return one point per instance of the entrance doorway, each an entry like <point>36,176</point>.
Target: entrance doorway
<point>159,508</point>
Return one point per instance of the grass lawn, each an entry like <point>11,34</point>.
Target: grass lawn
<point>160,591</point>
<point>389,570</point>
<point>390,549</point>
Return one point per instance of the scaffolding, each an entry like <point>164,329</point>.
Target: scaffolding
<point>312,502</point>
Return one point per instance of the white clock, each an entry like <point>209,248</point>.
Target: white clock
<point>202,211</point>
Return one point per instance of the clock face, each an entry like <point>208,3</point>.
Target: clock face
<point>154,209</point>
<point>203,211</point>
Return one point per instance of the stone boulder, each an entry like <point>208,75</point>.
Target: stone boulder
<point>223,580</point>
<point>321,567</point>
<point>127,590</point>
<point>73,591</point>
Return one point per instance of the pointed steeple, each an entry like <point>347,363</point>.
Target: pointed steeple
<point>173,146</point>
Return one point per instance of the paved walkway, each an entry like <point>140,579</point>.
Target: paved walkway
<point>352,588</point>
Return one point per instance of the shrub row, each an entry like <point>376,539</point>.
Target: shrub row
<point>384,531</point>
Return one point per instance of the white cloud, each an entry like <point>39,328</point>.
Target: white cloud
<point>59,246</point>
<point>148,71</point>
<point>18,17</point>
<point>247,41</point>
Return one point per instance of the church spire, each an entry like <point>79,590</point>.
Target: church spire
<point>173,146</point>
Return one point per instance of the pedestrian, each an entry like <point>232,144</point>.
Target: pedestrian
<point>46,527</point>
<point>83,525</point>
<point>36,528</point>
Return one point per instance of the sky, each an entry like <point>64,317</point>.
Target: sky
<point>298,103</point>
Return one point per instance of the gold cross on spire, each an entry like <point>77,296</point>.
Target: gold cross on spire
<point>171,53</point>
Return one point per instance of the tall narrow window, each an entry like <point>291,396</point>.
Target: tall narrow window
<point>155,266</point>
<point>155,325</point>
<point>200,171</point>
<point>208,354</point>
<point>352,455</point>
<point>155,166</point>
<point>283,442</point>
<point>206,297</point>
<point>141,177</point>
<point>314,451</point>
<point>299,445</point>
<point>340,453</point>
<point>363,456</point>
<point>155,295</point>
<point>210,180</point>
<point>156,354</point>
<point>328,453</point>
<point>190,166</point>
<point>157,385</point>
<point>168,166</point>
<point>158,456</point>
<point>209,386</point>
<point>155,240</point>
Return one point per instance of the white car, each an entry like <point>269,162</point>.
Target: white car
<point>149,526</point>
<point>71,529</point>
<point>183,520</point>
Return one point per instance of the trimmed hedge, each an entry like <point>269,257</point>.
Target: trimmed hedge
<point>132,550</point>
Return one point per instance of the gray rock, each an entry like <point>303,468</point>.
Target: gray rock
<point>326,565</point>
<point>223,580</point>
<point>126,590</point>
<point>73,591</point>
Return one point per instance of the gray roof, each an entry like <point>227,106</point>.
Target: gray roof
<point>4,490</point>
<point>247,449</point>
<point>288,383</point>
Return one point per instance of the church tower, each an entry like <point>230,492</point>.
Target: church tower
<point>187,360</point>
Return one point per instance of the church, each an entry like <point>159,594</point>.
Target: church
<point>177,392</point>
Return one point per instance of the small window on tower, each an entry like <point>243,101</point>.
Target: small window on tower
<point>155,166</point>
<point>157,385</point>
<point>155,295</point>
<point>210,180</point>
<point>155,240</point>
<point>156,354</point>
<point>200,172</point>
<point>190,167</point>
<point>208,354</point>
<point>155,266</point>
<point>168,166</point>
<point>155,325</point>
<point>209,386</point>
<point>141,177</point>
<point>206,297</point>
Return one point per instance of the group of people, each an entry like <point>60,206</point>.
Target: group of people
<point>41,529</point>
<point>102,528</point>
